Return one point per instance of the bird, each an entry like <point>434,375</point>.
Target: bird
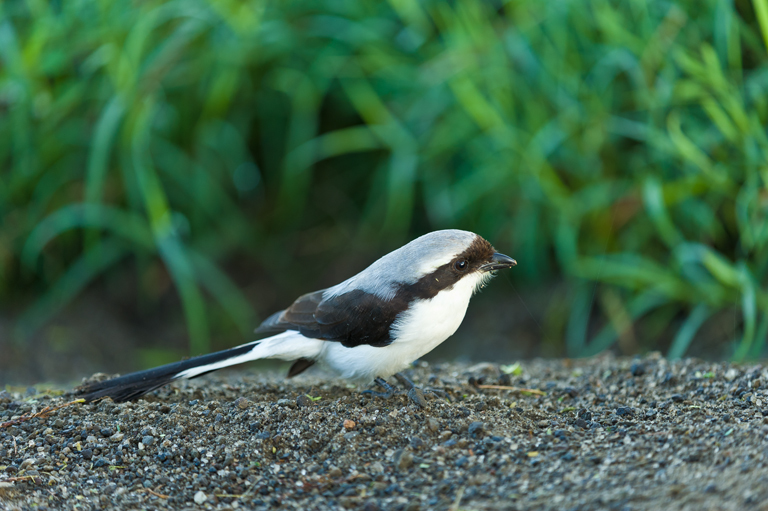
<point>365,329</point>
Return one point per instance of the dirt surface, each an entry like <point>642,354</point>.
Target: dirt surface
<point>604,433</point>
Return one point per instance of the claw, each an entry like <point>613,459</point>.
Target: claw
<point>439,393</point>
<point>415,394</point>
<point>389,390</point>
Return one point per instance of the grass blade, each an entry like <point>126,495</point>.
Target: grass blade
<point>685,335</point>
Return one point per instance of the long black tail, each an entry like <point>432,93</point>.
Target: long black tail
<point>133,385</point>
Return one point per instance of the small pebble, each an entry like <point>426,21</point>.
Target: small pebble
<point>416,395</point>
<point>304,401</point>
<point>403,459</point>
<point>242,403</point>
<point>416,442</point>
<point>287,403</point>
<point>475,429</point>
<point>571,392</point>
<point>101,462</point>
<point>200,498</point>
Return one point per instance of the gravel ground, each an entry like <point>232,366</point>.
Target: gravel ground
<point>605,433</point>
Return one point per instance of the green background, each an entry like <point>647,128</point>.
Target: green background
<point>173,172</point>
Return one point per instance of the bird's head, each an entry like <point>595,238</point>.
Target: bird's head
<point>444,258</point>
<point>429,264</point>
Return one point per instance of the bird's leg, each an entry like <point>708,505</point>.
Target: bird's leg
<point>389,390</point>
<point>414,393</point>
<point>407,383</point>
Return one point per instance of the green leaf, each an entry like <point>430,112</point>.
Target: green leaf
<point>684,336</point>
<point>513,369</point>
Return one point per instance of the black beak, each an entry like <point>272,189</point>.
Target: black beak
<point>499,262</point>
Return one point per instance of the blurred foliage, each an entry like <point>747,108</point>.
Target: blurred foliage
<point>619,143</point>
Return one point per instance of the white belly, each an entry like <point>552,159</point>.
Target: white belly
<point>425,325</point>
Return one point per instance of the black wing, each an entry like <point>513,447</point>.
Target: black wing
<point>353,319</point>
<point>300,312</point>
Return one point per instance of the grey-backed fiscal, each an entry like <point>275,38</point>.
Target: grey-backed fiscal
<point>367,328</point>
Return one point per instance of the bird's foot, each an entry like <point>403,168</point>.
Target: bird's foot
<point>417,397</point>
<point>439,393</point>
<point>415,394</point>
<point>405,381</point>
<point>389,390</point>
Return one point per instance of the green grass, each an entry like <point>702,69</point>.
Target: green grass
<point>620,146</point>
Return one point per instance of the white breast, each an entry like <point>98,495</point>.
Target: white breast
<point>420,329</point>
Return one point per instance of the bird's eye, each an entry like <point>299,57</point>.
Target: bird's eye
<point>460,265</point>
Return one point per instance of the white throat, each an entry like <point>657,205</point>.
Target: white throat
<point>428,322</point>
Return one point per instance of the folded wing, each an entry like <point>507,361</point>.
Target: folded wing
<point>353,319</point>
